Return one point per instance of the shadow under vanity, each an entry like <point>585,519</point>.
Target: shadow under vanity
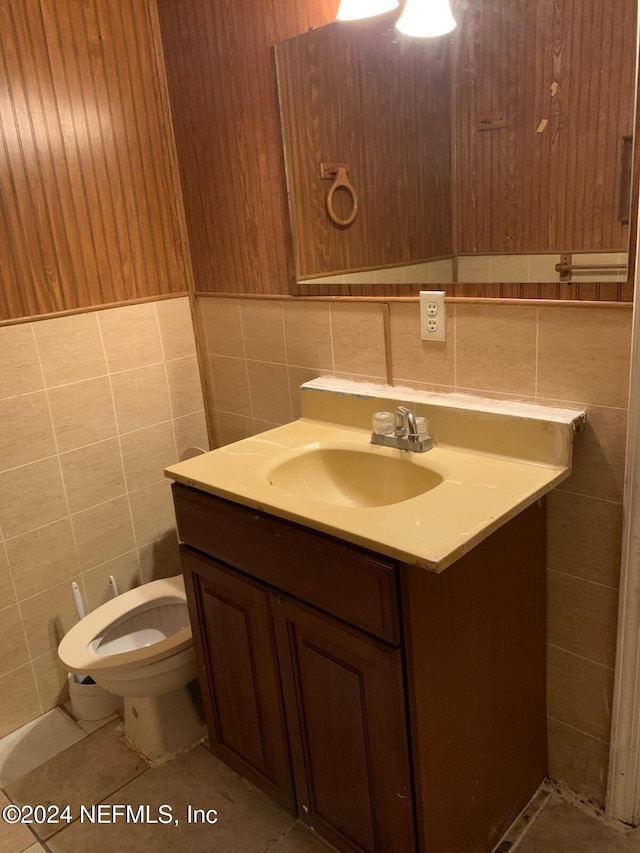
<point>379,670</point>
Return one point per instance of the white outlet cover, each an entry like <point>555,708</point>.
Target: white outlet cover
<point>433,323</point>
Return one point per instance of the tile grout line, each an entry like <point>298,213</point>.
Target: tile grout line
<point>333,355</point>
<point>387,343</point>
<point>246,368</point>
<point>86,571</point>
<point>94,443</point>
<point>166,373</point>
<point>119,438</point>
<point>70,516</point>
<point>283,329</point>
<point>173,428</point>
<point>16,669</point>
<point>98,376</point>
<point>584,580</point>
<point>576,729</point>
<point>68,506</point>
<point>537,356</point>
<point>455,347</point>
<point>589,496</point>
<point>201,351</point>
<point>580,657</point>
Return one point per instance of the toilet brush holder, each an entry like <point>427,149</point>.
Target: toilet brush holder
<point>89,701</point>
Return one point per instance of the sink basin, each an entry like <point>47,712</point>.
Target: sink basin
<point>352,476</point>
<point>492,459</point>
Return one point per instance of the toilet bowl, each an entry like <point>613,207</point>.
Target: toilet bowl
<point>139,646</point>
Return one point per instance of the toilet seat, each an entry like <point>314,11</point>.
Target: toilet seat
<point>144,626</point>
<point>82,649</point>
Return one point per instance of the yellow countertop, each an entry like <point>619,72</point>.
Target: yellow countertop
<point>479,490</point>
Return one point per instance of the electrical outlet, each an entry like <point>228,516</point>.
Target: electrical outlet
<point>433,315</point>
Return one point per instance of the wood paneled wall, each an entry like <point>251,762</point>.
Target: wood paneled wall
<point>222,82</point>
<point>88,211</point>
<point>525,187</point>
<point>382,105</point>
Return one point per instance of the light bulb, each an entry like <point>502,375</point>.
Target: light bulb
<point>353,10</point>
<point>426,18</point>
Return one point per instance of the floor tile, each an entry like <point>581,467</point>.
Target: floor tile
<point>85,773</point>
<point>247,821</point>
<point>102,769</point>
<point>13,838</point>
<point>563,828</point>
<point>39,740</point>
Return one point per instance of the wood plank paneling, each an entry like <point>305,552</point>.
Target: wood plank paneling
<point>221,74</point>
<point>88,208</point>
<point>523,188</point>
<point>381,105</point>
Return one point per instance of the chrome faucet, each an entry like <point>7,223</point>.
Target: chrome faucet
<point>404,423</point>
<point>403,435</point>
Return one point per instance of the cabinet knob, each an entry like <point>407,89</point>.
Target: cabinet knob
<point>305,809</point>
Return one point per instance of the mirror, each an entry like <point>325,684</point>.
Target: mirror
<point>489,155</point>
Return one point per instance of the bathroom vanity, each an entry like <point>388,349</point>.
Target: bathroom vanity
<point>383,680</point>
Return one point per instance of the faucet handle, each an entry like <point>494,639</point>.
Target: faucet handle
<point>382,423</point>
<point>422,427</point>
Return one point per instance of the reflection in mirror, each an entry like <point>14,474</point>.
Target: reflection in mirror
<point>492,154</point>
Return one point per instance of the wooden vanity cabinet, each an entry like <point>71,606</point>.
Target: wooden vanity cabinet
<point>266,656</point>
<point>391,708</point>
<point>344,699</point>
<point>239,675</point>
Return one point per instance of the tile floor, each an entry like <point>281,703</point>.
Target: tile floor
<point>94,766</point>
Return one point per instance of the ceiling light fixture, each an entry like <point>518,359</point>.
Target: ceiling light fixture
<point>426,18</point>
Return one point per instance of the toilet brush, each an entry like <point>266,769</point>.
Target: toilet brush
<point>80,610</point>
<point>77,598</point>
<point>89,701</point>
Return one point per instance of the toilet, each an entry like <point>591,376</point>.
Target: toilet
<point>139,646</point>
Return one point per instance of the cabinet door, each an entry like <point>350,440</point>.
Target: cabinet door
<point>346,717</point>
<point>239,676</point>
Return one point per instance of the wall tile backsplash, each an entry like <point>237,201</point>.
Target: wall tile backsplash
<point>93,407</point>
<point>544,353</point>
